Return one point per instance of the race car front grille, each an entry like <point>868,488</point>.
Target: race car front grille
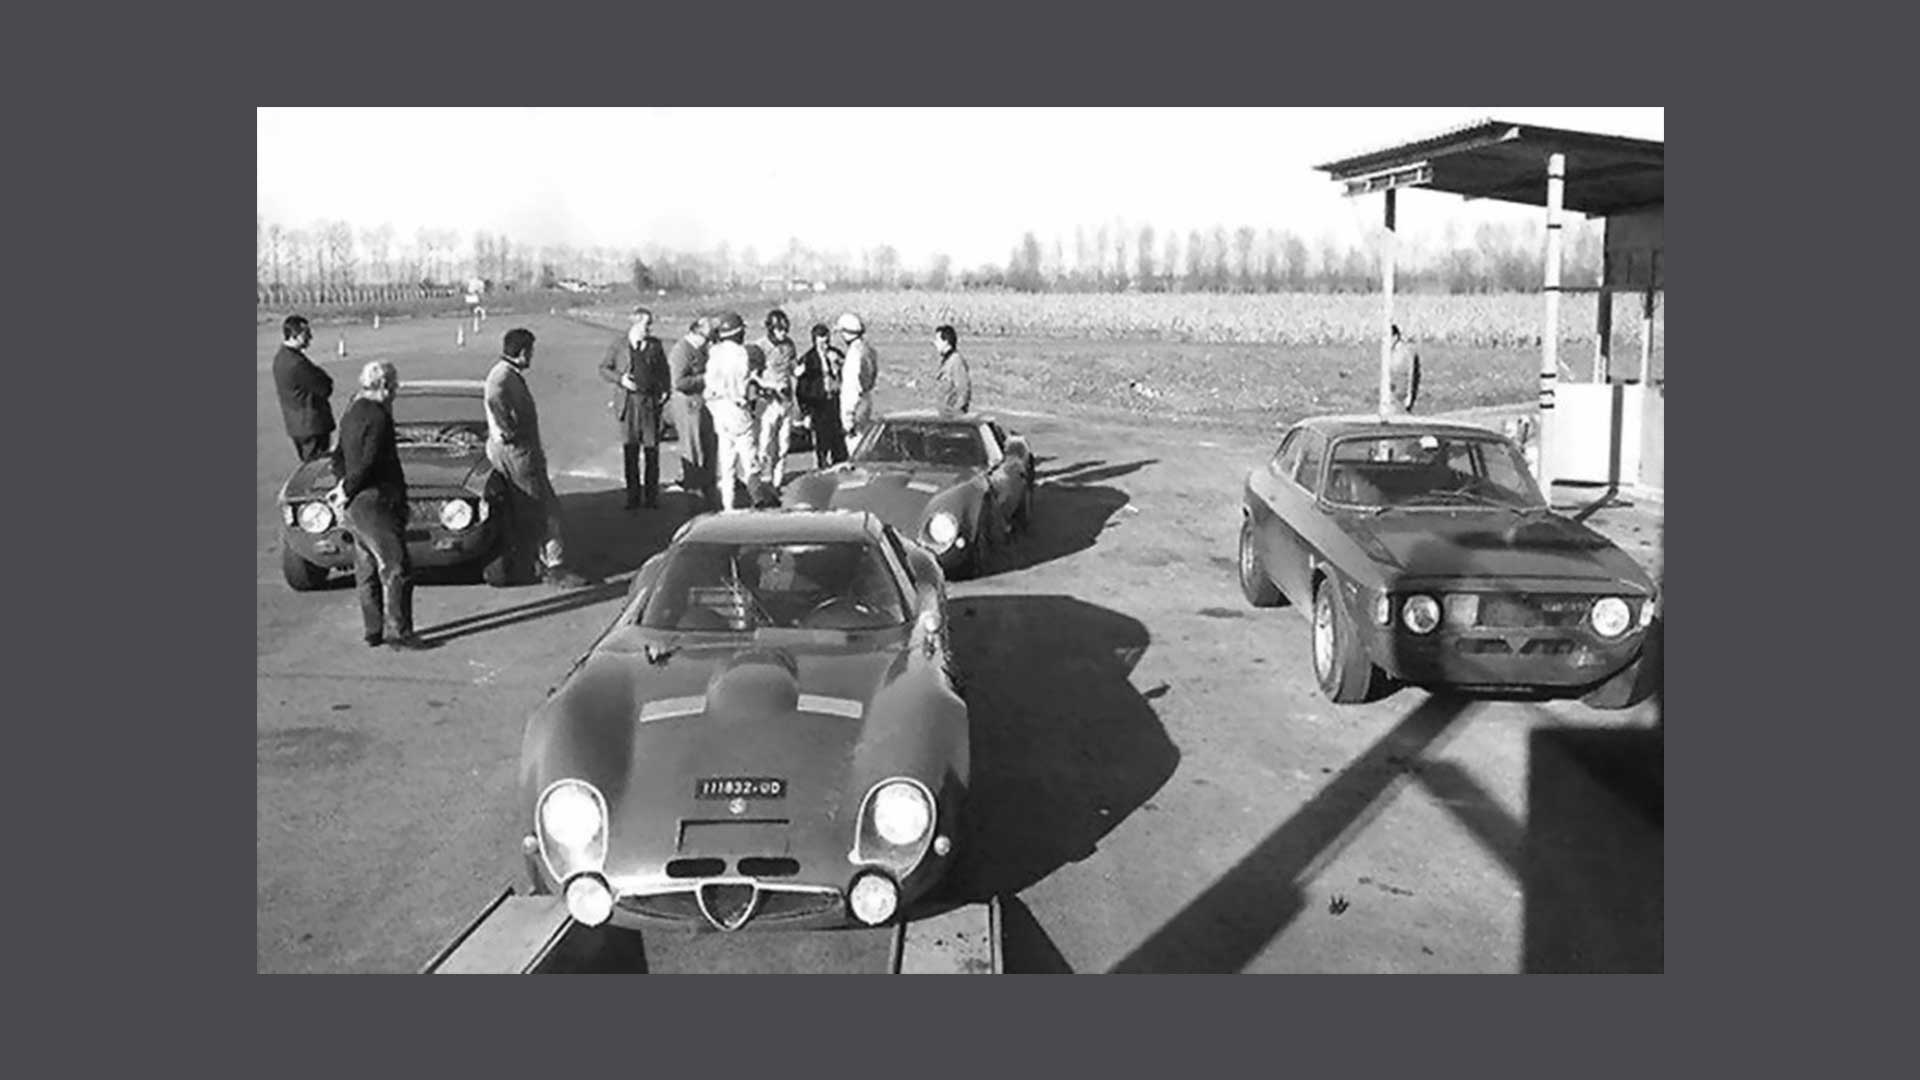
<point>679,906</point>
<point>424,511</point>
<point>1530,611</point>
<point>776,906</point>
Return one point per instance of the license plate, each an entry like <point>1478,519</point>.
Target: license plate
<point>740,787</point>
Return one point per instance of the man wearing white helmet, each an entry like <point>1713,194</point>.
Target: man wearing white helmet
<point>729,398</point>
<point>860,371</point>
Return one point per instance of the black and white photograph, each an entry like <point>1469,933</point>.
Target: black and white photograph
<point>800,541</point>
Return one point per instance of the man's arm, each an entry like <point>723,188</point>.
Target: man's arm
<point>685,379</point>
<point>610,364</point>
<point>504,410</point>
<point>359,442</point>
<point>1413,380</point>
<point>309,377</point>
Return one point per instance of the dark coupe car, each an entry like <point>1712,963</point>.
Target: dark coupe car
<point>767,736</point>
<point>958,484</point>
<point>455,503</point>
<point>1425,553</point>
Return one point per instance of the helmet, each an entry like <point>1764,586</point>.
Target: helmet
<point>850,324</point>
<point>729,324</point>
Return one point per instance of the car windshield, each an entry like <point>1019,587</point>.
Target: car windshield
<point>953,445</point>
<point>744,587</point>
<point>439,417</point>
<point>1392,471</point>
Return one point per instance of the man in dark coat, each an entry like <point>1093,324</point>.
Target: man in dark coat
<point>373,490</point>
<point>637,367</point>
<point>687,365</point>
<point>304,390</point>
<point>817,388</point>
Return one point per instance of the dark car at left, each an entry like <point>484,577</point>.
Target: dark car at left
<point>456,504</point>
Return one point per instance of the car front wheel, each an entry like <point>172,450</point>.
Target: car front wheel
<point>1258,588</point>
<point>1340,661</point>
<point>301,575</point>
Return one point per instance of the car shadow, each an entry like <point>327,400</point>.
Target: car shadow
<point>1063,747</point>
<point>1068,517</point>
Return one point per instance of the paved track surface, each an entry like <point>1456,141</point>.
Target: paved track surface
<point>1160,787</point>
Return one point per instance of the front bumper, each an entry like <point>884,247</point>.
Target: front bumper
<point>801,902</point>
<point>1532,659</point>
<point>428,545</point>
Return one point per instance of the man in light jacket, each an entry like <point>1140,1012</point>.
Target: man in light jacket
<point>515,450</point>
<point>956,382</point>
<point>857,377</point>
<point>729,393</point>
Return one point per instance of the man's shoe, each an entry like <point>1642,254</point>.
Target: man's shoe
<point>407,642</point>
<point>566,579</point>
<point>633,502</point>
<point>374,640</point>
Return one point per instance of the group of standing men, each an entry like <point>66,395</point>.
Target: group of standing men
<point>734,403</point>
<point>372,493</point>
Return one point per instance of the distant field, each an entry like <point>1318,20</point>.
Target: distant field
<point>1023,358</point>
<point>1494,321</point>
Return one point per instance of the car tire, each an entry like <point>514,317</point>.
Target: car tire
<point>1255,583</point>
<point>980,545</point>
<point>1340,662</point>
<point>301,575</point>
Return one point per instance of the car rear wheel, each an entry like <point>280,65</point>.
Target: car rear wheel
<point>301,575</point>
<point>1258,588</point>
<point>1340,662</point>
<point>1634,683</point>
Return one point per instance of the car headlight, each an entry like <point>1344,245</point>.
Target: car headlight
<point>573,827</point>
<point>943,529</point>
<point>1611,616</point>
<point>874,898</point>
<point>589,899</point>
<point>1420,614</point>
<point>902,813</point>
<point>456,514</point>
<point>316,517</point>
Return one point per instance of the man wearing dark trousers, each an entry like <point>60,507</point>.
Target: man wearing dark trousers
<point>374,491</point>
<point>637,367</point>
<point>304,390</point>
<point>517,454</point>
<point>817,386</point>
<point>687,364</point>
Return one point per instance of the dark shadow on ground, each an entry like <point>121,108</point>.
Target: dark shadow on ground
<point>1064,748</point>
<point>1594,859</point>
<point>1067,518</point>
<point>1227,926</point>
<point>1090,472</point>
<point>1025,947</point>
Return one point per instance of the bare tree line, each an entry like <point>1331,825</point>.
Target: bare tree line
<point>1109,257</point>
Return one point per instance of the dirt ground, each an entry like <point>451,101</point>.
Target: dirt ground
<point>1159,785</point>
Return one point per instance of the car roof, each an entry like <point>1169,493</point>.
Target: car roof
<point>443,386</point>
<point>777,525</point>
<point>1335,426</point>
<point>940,416</point>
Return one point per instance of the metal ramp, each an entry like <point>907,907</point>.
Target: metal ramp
<point>533,935</point>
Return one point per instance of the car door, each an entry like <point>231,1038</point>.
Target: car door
<point>1295,507</point>
<point>1263,491</point>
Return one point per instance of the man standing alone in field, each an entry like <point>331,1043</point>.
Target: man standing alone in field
<point>1403,372</point>
<point>515,449</point>
<point>817,386</point>
<point>775,374</point>
<point>637,367</point>
<point>956,382</point>
<point>857,377</point>
<point>373,494</point>
<point>687,367</point>
<point>304,389</point>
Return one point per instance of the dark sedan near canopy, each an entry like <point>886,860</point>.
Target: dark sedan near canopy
<point>1424,552</point>
<point>456,505</point>
<point>768,735</point>
<point>959,484</point>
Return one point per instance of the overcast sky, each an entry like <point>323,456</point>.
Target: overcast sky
<point>966,182</point>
